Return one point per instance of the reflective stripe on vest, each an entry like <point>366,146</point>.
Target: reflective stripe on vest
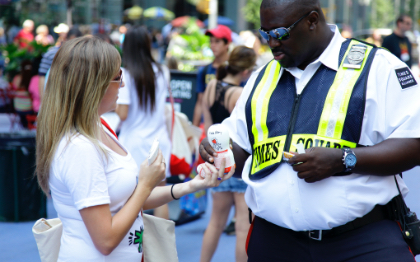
<point>338,98</point>
<point>268,151</point>
<point>264,148</point>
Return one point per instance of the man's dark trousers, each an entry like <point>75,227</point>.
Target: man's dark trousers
<point>377,242</point>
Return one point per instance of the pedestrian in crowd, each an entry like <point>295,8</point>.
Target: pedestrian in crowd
<point>25,35</point>
<point>218,102</point>
<point>359,128</point>
<point>172,63</point>
<point>123,30</point>
<point>375,38</point>
<point>12,33</point>
<point>91,175</point>
<point>220,39</point>
<point>141,105</point>
<point>48,57</point>
<point>2,37</point>
<point>346,34</point>
<point>62,29</point>
<point>106,38</point>
<point>33,90</point>
<point>398,43</point>
<point>43,36</point>
<point>2,42</point>
<point>115,36</point>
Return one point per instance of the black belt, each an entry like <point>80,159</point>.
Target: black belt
<point>378,213</point>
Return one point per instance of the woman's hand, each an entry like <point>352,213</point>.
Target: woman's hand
<point>213,177</point>
<point>151,176</point>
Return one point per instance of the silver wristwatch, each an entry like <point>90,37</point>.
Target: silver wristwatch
<point>349,159</point>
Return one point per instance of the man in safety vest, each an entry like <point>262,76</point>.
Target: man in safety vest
<point>355,110</point>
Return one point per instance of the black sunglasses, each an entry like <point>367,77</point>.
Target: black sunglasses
<point>280,33</point>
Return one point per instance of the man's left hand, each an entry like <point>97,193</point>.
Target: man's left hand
<point>317,163</point>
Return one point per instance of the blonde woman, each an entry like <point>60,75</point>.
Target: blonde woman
<point>91,176</point>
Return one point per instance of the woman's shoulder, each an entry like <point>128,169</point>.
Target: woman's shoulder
<point>75,145</point>
<point>211,86</point>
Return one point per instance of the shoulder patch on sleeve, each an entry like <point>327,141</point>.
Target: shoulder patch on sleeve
<point>405,77</point>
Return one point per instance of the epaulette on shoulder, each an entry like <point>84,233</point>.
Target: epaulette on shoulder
<point>364,42</point>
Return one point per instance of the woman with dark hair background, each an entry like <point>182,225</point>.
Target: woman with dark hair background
<point>141,104</point>
<point>219,100</point>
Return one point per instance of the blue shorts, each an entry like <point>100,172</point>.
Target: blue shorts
<point>232,185</point>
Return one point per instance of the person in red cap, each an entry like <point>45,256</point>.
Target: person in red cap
<point>220,38</point>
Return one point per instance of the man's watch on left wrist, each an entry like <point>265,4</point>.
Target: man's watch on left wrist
<point>349,159</point>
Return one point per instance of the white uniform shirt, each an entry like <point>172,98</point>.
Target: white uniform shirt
<point>288,201</point>
<point>142,126</point>
<point>81,177</point>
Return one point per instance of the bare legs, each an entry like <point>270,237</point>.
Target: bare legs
<point>222,202</point>
<point>241,226</point>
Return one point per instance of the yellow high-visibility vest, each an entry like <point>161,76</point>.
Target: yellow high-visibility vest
<point>268,145</point>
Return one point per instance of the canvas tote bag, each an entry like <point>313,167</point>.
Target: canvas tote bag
<point>159,240</point>
<point>47,233</point>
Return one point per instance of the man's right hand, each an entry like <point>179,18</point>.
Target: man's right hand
<point>206,151</point>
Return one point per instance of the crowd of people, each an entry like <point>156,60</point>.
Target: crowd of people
<point>322,89</point>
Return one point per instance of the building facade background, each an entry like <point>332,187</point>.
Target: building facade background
<point>358,14</point>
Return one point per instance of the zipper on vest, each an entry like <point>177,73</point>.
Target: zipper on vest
<point>292,122</point>
<point>295,109</point>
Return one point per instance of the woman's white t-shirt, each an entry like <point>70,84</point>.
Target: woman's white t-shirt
<point>142,126</point>
<point>81,177</point>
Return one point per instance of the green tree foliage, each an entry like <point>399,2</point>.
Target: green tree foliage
<point>14,57</point>
<point>383,15</point>
<point>17,12</point>
<point>251,12</point>
<point>8,15</point>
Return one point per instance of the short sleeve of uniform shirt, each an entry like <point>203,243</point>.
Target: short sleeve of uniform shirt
<point>392,110</point>
<point>392,107</point>
<point>83,173</point>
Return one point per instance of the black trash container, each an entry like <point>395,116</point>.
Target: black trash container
<point>21,199</point>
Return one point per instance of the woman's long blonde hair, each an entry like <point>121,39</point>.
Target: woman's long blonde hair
<point>79,76</point>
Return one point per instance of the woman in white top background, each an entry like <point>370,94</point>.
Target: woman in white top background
<point>141,105</point>
<point>91,176</point>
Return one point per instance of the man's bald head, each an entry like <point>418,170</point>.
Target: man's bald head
<point>275,3</point>
<point>308,37</point>
<point>293,7</point>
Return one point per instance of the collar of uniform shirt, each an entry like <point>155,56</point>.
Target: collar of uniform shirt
<point>330,55</point>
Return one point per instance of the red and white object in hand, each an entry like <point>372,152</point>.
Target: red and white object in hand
<point>200,171</point>
<point>219,139</point>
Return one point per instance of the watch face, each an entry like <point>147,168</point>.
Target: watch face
<point>351,160</point>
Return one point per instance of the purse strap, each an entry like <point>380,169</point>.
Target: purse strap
<point>171,99</point>
<point>108,127</point>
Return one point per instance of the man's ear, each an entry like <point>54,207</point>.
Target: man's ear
<point>313,19</point>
